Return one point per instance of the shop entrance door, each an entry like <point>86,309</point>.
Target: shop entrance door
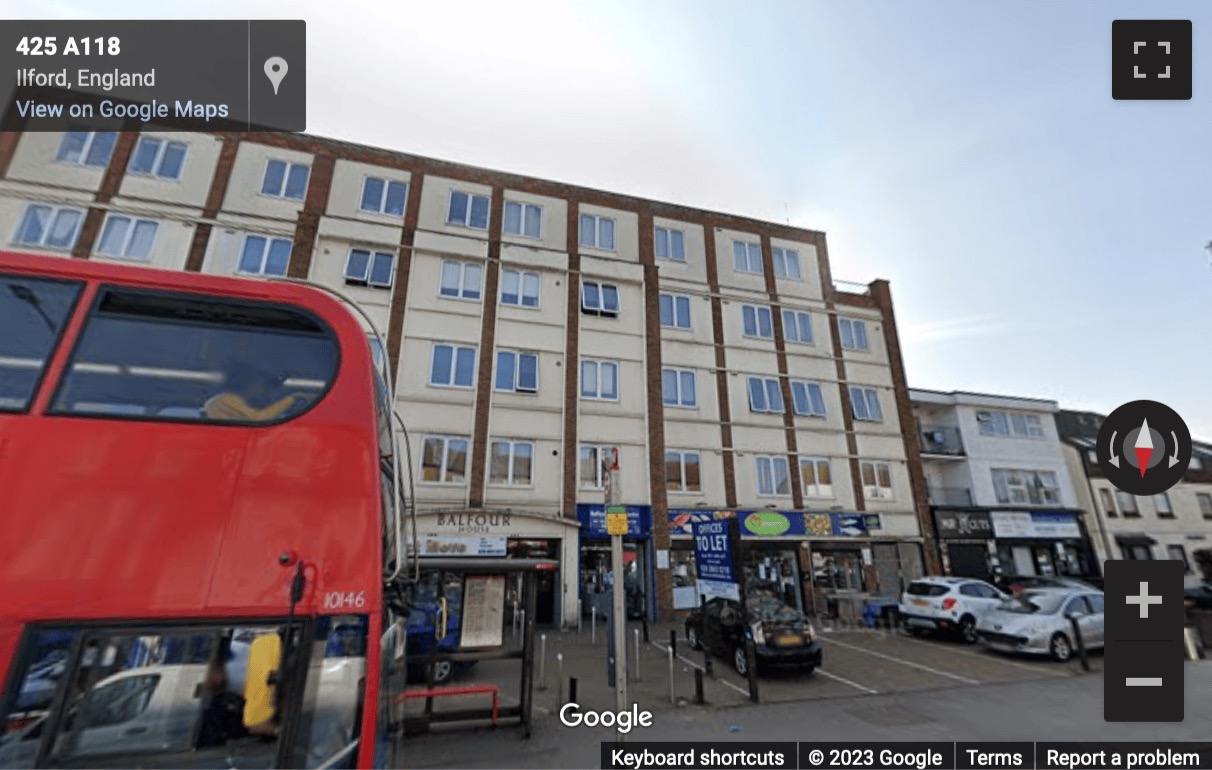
<point>1024,561</point>
<point>970,560</point>
<point>887,568</point>
<point>597,580</point>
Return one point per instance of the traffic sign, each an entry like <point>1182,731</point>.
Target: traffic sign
<point>616,520</point>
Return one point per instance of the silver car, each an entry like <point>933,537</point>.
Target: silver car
<point>1038,621</point>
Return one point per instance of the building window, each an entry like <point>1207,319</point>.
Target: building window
<point>865,404</point>
<point>511,464</point>
<point>264,256</point>
<point>1205,504</point>
<point>592,457</point>
<point>1162,504</point>
<point>1178,553</point>
<point>765,395</point>
<point>678,387</point>
<point>1137,552</point>
<point>453,366</point>
<point>682,471</point>
<point>158,157</point>
<point>757,321</point>
<point>675,310</point>
<point>747,257</point>
<point>50,227</point>
<point>786,264</point>
<point>807,398</point>
<point>125,236</point>
<point>817,477</point>
<point>519,288</point>
<point>669,244</point>
<point>467,210</point>
<point>444,460</point>
<point>383,196</point>
<point>367,268</point>
<point>597,232</point>
<point>797,327</point>
<point>600,380</point>
<point>1108,501</point>
<point>1009,424</point>
<point>1024,487</point>
<point>285,180</point>
<point>525,219</point>
<point>853,334</point>
<point>461,280</point>
<point>517,372</point>
<point>87,148</point>
<point>599,299</point>
<point>1127,504</point>
<point>877,480</point>
<point>773,476</point>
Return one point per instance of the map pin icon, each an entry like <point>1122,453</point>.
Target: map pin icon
<point>275,70</point>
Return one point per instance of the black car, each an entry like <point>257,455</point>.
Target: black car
<point>782,635</point>
<point>1199,596</point>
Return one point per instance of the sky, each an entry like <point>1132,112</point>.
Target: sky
<point>1041,239</point>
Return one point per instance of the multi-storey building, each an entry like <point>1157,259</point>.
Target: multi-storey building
<point>1003,499</point>
<point>533,328</point>
<point>1172,525</point>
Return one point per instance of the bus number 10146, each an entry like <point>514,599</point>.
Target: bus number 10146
<point>344,600</point>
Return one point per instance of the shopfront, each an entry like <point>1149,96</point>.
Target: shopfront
<point>966,540</point>
<point>1043,543</point>
<point>818,562</point>
<point>510,534</point>
<point>596,578</point>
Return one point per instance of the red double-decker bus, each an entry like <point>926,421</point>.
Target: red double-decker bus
<point>198,516</point>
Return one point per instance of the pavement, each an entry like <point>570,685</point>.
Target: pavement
<point>874,685</point>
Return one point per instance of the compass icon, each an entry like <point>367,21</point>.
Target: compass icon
<point>1144,448</point>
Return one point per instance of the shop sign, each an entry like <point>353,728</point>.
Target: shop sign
<point>873,522</point>
<point>594,522</point>
<point>955,525</point>
<point>1054,525</point>
<point>758,524</point>
<point>443,545</point>
<point>715,560</point>
<point>471,523</point>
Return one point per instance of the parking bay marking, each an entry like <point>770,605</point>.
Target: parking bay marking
<point>894,659</point>
<point>844,680</point>
<point>665,649</point>
<point>979,656</point>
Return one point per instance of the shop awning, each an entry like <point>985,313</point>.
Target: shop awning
<point>1135,539</point>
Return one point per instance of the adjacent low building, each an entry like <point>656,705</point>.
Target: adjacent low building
<point>1002,498</point>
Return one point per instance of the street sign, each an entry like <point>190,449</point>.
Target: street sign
<point>715,560</point>
<point>616,520</point>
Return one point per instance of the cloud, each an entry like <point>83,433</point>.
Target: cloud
<point>967,327</point>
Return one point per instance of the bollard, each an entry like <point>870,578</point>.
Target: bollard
<point>698,687</point>
<point>707,669</point>
<point>644,620</point>
<point>593,624</point>
<point>673,642</point>
<point>751,665</point>
<point>579,617</point>
<point>572,690</point>
<point>560,677</point>
<point>673,695</point>
<point>637,655</point>
<point>1081,644</point>
<point>543,661</point>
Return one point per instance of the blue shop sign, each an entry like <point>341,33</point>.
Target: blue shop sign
<point>593,521</point>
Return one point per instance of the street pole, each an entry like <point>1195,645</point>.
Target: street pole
<point>619,627</point>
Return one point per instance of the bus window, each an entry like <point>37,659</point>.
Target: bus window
<point>335,688</point>
<point>178,357</point>
<point>33,312</point>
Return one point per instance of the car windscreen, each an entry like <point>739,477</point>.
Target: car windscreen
<point>1035,603</point>
<point>927,589</point>
<point>770,610</point>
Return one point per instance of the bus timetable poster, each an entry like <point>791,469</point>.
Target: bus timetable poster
<point>483,611</point>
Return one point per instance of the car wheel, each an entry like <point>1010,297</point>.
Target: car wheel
<point>692,638</point>
<point>442,671</point>
<point>740,661</point>
<point>1060,648</point>
<point>967,629</point>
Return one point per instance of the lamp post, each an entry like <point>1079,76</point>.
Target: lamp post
<point>616,526</point>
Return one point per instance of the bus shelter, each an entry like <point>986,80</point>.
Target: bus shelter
<point>467,613</point>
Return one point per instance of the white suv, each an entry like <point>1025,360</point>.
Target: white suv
<point>949,604</point>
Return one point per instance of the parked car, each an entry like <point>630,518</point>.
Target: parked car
<point>1038,622</point>
<point>948,604</point>
<point>782,636</point>
<point>1015,583</point>
<point>427,639</point>
<point>1198,596</point>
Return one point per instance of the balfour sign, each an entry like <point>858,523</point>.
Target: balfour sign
<point>955,525</point>
<point>471,523</point>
